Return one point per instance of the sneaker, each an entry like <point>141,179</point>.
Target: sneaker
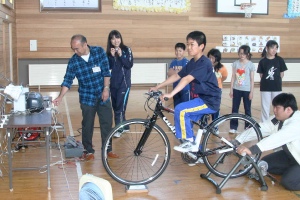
<point>200,160</point>
<point>186,147</point>
<point>126,130</point>
<point>87,157</point>
<point>232,131</point>
<point>118,133</point>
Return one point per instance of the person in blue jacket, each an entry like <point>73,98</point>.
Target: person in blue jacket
<point>120,61</point>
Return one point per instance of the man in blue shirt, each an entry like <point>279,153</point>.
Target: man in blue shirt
<point>90,66</point>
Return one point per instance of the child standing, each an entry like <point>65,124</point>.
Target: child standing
<point>120,61</point>
<point>197,71</point>
<point>220,71</point>
<point>176,65</point>
<point>242,84</point>
<point>271,70</point>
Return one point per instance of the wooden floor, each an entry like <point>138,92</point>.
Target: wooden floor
<point>179,181</point>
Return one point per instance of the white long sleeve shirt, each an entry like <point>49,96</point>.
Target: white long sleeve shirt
<point>289,134</point>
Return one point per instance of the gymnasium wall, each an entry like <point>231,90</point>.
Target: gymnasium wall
<point>8,51</point>
<point>150,35</point>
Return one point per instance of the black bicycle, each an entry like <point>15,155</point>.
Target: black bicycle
<point>144,151</point>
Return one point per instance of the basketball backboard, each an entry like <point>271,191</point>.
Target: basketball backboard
<point>234,7</point>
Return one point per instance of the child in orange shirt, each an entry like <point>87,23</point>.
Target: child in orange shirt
<point>220,71</point>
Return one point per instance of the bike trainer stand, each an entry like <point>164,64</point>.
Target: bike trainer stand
<point>136,188</point>
<point>243,159</point>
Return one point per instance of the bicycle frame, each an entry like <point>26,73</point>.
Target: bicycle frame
<point>158,112</point>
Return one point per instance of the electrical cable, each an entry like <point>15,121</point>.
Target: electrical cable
<point>62,161</point>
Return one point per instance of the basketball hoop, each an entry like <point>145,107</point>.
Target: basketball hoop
<point>248,7</point>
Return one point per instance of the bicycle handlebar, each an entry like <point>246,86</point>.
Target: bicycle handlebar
<point>156,93</point>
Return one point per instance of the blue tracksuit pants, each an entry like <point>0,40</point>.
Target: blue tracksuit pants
<point>119,99</point>
<point>186,112</point>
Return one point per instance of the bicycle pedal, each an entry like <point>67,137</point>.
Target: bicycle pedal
<point>191,155</point>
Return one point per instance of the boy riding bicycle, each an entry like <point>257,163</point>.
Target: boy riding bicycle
<point>204,86</point>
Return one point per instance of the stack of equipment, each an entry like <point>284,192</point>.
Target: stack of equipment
<point>73,148</point>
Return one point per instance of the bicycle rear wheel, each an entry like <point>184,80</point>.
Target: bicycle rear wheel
<point>221,164</point>
<point>131,169</point>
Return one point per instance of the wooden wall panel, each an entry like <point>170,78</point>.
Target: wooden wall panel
<point>8,41</point>
<point>150,35</point>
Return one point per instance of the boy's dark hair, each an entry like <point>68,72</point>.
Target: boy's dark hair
<point>247,50</point>
<point>198,36</point>
<point>217,54</point>
<point>269,44</point>
<point>180,45</point>
<point>285,100</point>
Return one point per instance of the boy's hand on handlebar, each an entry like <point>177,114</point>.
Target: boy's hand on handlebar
<point>153,89</point>
<point>165,97</point>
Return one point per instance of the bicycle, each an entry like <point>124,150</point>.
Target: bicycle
<point>144,151</point>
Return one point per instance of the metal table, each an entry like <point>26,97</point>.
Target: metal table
<point>42,120</point>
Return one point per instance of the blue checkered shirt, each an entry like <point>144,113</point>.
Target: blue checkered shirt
<point>90,83</point>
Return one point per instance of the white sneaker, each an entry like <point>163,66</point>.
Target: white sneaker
<point>125,130</point>
<point>118,134</point>
<point>200,160</point>
<point>233,131</point>
<point>186,147</point>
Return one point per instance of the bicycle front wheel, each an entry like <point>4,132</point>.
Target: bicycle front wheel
<point>132,169</point>
<point>221,164</point>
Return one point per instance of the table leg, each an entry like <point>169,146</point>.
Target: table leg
<point>8,131</point>
<point>48,155</point>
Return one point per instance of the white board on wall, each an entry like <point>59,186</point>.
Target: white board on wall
<point>53,74</point>
<point>145,73</point>
<point>47,74</point>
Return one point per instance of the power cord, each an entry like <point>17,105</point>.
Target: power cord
<point>62,161</point>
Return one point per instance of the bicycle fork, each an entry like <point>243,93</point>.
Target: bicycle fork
<point>149,126</point>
